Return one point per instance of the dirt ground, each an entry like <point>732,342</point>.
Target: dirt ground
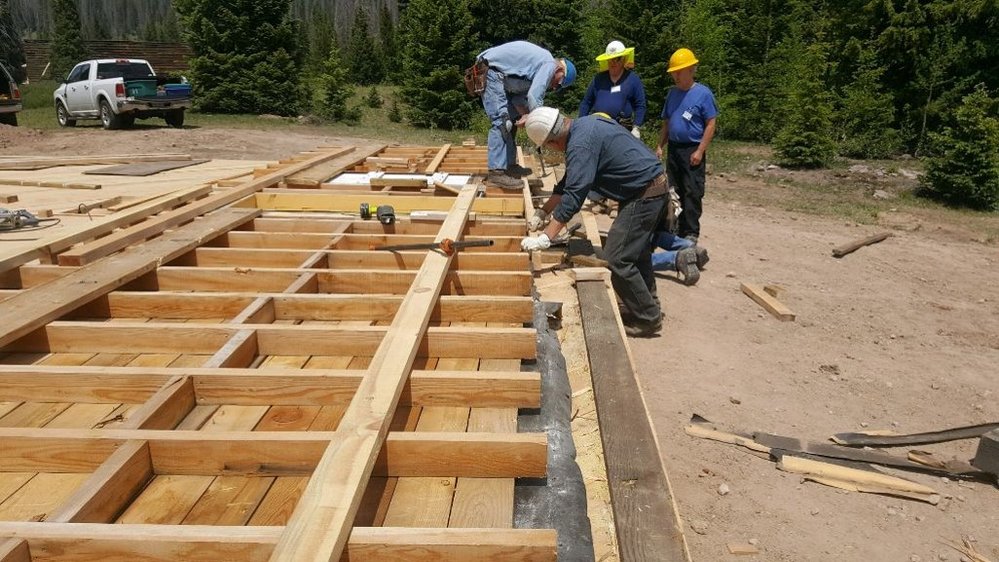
<point>902,335</point>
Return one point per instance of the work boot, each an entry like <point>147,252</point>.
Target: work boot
<point>702,256</point>
<point>500,179</point>
<point>518,171</point>
<point>686,266</point>
<point>643,329</point>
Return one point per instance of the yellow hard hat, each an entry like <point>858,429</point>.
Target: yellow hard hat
<point>681,59</point>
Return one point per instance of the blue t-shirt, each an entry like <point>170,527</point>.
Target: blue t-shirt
<point>688,112</point>
<point>601,155</point>
<point>620,100</point>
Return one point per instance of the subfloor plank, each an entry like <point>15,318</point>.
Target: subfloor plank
<point>82,416</point>
<point>230,500</point>
<point>280,501</point>
<point>166,500</point>
<point>39,496</point>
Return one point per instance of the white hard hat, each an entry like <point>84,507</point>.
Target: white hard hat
<point>614,49</point>
<point>540,124</point>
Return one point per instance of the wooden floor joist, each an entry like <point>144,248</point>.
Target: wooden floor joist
<point>213,381</point>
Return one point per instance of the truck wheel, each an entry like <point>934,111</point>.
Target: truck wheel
<point>62,115</point>
<point>8,119</point>
<point>175,118</point>
<point>108,117</point>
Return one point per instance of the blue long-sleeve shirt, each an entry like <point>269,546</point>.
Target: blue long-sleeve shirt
<point>620,99</point>
<point>521,59</point>
<point>603,156</point>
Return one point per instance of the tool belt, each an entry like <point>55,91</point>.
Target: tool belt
<point>475,78</point>
<point>655,188</point>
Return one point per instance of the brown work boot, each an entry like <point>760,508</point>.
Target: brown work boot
<point>518,171</point>
<point>643,329</point>
<point>686,266</point>
<point>500,179</point>
<point>702,256</point>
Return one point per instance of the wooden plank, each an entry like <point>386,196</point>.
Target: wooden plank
<point>32,309</point>
<point>40,163</point>
<point>145,168</point>
<point>436,162</point>
<point>321,523</point>
<point>312,177</point>
<point>272,339</point>
<point>648,526</point>
<point>182,452</point>
<point>284,387</point>
<point>209,543</point>
<point>56,243</point>
<point>291,200</point>
<point>771,304</point>
<point>850,247</point>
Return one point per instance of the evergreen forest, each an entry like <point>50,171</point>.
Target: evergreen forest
<point>817,79</point>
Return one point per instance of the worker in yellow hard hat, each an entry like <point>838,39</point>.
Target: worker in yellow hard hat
<point>617,91</point>
<point>689,117</point>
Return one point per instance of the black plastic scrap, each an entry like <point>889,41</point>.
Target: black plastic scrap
<point>861,439</point>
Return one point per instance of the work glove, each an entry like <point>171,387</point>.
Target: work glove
<point>540,242</point>
<point>538,220</point>
<point>636,132</point>
<point>507,126</point>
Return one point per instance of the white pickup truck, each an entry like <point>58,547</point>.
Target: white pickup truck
<point>119,91</point>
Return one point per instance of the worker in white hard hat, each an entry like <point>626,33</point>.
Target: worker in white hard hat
<point>689,118</point>
<point>617,90</point>
<point>602,156</point>
<point>519,76</point>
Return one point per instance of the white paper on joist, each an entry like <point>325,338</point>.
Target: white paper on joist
<point>356,178</point>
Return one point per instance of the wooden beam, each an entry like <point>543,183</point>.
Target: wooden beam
<point>63,542</point>
<point>275,453</point>
<point>272,339</point>
<point>40,163</point>
<point>331,307</point>
<point>645,514</point>
<point>290,200</point>
<point>771,304</point>
<point>436,162</point>
<point>291,387</point>
<point>320,525</point>
<point>30,310</point>
<point>314,176</point>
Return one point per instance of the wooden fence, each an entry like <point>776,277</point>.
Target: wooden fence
<point>165,57</point>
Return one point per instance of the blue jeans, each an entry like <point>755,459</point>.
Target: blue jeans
<point>500,100</point>
<point>666,261</point>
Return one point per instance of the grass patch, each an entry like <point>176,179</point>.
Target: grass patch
<point>39,113</point>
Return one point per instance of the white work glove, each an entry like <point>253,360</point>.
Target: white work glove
<point>508,126</point>
<point>636,132</point>
<point>538,220</point>
<point>540,242</point>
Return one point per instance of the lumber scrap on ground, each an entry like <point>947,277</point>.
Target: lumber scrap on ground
<point>850,247</point>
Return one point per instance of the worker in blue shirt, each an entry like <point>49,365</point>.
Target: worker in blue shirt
<point>616,91</point>
<point>601,155</point>
<point>689,117</point>
<point>519,75</point>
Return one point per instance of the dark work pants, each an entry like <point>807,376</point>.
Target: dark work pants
<point>629,256</point>
<point>689,184</point>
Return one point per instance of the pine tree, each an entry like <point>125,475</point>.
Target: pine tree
<point>963,168</point>
<point>389,44</point>
<point>805,140</point>
<point>11,46</point>
<point>334,87</point>
<point>322,38</point>
<point>67,43</point>
<point>866,113</point>
<point>363,60</point>
<point>247,56</point>
<point>373,100</point>
<point>437,42</point>
<point>395,114</point>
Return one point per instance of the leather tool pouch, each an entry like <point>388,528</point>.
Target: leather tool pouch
<point>475,78</point>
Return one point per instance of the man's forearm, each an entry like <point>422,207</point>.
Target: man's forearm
<point>663,135</point>
<point>709,133</point>
<point>553,228</point>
